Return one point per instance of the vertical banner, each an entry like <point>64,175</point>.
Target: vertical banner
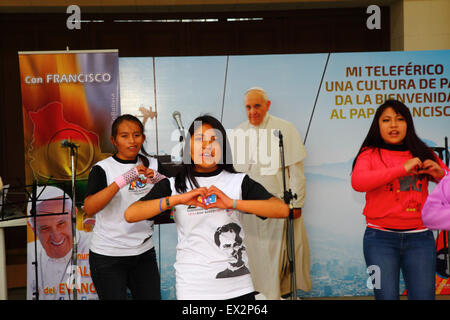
<point>69,98</point>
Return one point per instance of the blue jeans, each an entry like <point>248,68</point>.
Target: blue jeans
<point>412,253</point>
<point>113,275</point>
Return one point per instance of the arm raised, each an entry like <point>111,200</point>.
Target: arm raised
<point>146,209</point>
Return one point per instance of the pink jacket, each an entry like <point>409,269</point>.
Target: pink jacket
<point>394,198</point>
<point>436,210</point>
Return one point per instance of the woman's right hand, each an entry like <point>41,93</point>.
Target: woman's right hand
<point>412,165</point>
<point>190,198</point>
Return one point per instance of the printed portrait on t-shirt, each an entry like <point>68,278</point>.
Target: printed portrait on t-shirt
<point>228,238</point>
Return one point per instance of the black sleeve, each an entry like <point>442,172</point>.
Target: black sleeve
<point>160,190</point>
<point>163,170</point>
<point>252,190</point>
<point>96,181</point>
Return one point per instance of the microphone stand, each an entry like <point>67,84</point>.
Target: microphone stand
<point>177,117</point>
<point>288,197</point>
<point>181,142</point>
<point>73,149</point>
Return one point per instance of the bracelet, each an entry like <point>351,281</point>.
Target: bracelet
<point>126,178</point>
<point>234,204</point>
<point>167,203</point>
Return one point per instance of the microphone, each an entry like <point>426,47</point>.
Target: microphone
<point>277,133</point>
<point>67,144</point>
<point>177,116</point>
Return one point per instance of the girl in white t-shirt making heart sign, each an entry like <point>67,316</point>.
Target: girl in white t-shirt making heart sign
<point>207,199</point>
<point>122,255</point>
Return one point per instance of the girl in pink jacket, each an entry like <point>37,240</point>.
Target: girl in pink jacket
<point>393,167</point>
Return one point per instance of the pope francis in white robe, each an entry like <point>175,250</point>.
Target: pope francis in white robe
<point>256,152</point>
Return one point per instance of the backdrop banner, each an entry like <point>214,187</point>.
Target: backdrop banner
<point>331,100</point>
<point>73,97</point>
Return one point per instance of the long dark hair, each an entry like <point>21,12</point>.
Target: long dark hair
<point>188,166</point>
<point>412,142</point>
<point>129,117</point>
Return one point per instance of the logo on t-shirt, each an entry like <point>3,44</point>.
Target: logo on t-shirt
<point>193,210</point>
<point>409,183</point>
<point>139,184</point>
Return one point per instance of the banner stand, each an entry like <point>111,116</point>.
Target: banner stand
<point>33,213</point>
<point>73,150</point>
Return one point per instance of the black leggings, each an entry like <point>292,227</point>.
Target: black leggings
<point>113,275</point>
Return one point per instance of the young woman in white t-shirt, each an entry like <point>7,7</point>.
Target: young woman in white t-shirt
<point>208,198</point>
<point>121,254</point>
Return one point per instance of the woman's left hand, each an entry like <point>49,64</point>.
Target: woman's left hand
<point>222,200</point>
<point>432,168</point>
<point>147,172</point>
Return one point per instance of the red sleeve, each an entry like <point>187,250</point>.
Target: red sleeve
<point>443,166</point>
<point>366,177</point>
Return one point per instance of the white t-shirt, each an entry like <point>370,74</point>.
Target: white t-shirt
<point>211,261</point>
<point>112,234</point>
